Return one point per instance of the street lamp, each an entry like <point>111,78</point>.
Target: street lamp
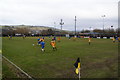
<point>111,26</point>
<point>75,24</point>
<point>54,28</point>
<point>103,21</point>
<point>54,24</point>
<point>90,30</point>
<point>110,30</point>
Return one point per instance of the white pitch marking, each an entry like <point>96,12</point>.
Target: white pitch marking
<point>18,68</point>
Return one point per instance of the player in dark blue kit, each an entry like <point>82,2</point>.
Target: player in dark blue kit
<point>38,41</point>
<point>42,45</point>
<point>55,38</point>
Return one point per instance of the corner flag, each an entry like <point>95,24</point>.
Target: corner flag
<point>77,65</point>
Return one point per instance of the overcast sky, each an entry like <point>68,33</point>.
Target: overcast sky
<point>46,12</point>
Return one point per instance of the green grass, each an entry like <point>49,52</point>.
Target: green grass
<point>7,73</point>
<point>0,57</point>
<point>99,60</point>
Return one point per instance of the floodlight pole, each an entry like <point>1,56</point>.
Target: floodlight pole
<point>54,24</point>
<point>61,23</point>
<point>112,28</point>
<point>90,30</point>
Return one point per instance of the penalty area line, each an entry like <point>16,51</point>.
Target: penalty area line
<point>18,68</point>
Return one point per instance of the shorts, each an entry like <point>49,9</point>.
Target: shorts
<point>39,42</point>
<point>43,47</point>
<point>53,46</point>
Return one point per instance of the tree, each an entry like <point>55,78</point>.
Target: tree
<point>98,30</point>
<point>22,31</point>
<point>87,31</point>
<point>44,32</point>
<point>50,32</point>
<point>82,31</point>
<point>47,32</point>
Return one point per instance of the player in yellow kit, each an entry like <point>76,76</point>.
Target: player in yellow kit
<point>42,39</point>
<point>89,40</point>
<point>113,40</point>
<point>53,44</point>
<point>10,37</point>
<point>75,37</point>
<point>119,39</point>
<point>58,39</point>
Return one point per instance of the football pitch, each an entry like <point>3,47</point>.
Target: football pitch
<point>98,60</point>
